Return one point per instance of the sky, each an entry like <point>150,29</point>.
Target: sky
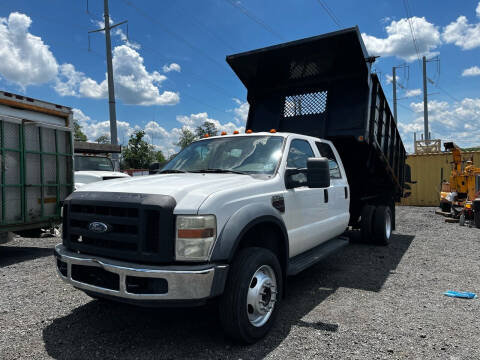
<point>170,70</point>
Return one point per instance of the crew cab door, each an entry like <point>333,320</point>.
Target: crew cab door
<point>338,192</point>
<point>305,208</point>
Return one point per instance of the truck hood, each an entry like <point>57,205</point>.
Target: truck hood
<point>189,190</point>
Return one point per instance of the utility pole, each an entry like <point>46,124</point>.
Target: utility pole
<point>425,101</point>
<point>111,86</point>
<point>406,71</point>
<point>394,83</point>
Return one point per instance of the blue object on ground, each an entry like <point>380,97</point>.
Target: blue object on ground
<point>460,294</point>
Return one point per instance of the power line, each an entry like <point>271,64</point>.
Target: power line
<point>412,30</point>
<point>200,24</point>
<point>447,93</point>
<point>330,13</point>
<point>252,16</point>
<point>173,34</point>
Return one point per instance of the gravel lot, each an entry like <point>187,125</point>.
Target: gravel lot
<point>364,302</point>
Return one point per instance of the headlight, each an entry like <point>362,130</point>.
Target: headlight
<point>195,235</point>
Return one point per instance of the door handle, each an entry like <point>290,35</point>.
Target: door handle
<point>346,192</point>
<point>325,195</point>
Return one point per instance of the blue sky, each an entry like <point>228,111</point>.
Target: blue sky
<point>171,72</point>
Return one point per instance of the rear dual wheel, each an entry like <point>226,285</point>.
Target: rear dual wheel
<point>376,224</point>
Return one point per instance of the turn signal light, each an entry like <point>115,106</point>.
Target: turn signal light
<point>273,131</point>
<point>223,133</point>
<point>235,132</point>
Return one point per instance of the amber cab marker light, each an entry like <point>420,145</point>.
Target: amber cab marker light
<point>273,131</point>
<point>235,132</point>
<point>223,133</point>
<point>249,131</point>
<point>206,135</point>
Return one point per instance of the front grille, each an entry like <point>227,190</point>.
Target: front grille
<point>134,229</point>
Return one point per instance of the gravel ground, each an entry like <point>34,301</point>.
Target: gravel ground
<point>364,302</point>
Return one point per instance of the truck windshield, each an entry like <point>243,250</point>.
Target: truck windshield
<point>243,154</point>
<point>93,163</point>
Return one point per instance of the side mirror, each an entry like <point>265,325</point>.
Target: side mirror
<point>318,173</point>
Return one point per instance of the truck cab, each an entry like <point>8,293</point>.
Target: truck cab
<point>180,236</point>
<point>93,163</point>
<point>89,168</point>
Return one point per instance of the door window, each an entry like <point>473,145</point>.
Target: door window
<point>300,151</point>
<point>327,152</point>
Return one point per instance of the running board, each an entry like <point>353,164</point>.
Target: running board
<point>302,261</point>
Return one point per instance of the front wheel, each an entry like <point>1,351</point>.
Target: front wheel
<point>252,294</point>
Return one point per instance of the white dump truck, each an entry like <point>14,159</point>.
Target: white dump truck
<point>232,216</point>
<point>36,163</point>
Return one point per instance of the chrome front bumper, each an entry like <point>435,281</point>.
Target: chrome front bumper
<point>183,283</point>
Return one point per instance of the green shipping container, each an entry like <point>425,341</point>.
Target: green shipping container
<point>35,161</point>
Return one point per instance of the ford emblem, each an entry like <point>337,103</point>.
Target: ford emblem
<point>98,227</point>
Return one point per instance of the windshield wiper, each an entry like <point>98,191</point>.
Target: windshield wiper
<point>172,171</point>
<point>219,171</point>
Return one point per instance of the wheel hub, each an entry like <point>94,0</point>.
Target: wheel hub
<point>261,296</point>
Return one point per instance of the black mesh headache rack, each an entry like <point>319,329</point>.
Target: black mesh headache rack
<point>323,86</point>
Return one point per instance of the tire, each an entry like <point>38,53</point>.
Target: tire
<point>366,224</point>
<point>461,221</point>
<point>382,225</point>
<point>250,273</point>
<point>476,219</point>
<point>445,207</point>
<point>30,233</point>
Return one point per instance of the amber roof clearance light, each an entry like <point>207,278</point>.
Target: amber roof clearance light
<point>235,132</point>
<point>206,135</point>
<point>223,133</point>
<point>249,131</point>
<point>273,131</point>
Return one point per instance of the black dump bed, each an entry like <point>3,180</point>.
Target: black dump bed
<point>322,86</point>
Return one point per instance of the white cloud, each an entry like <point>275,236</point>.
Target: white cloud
<point>478,10</point>
<point>399,39</point>
<point>172,67</point>
<point>133,83</point>
<point>24,58</point>
<point>458,122</point>
<point>156,134</point>
<point>413,92</point>
<point>390,78</point>
<point>94,129</point>
<point>462,33</point>
<point>241,111</point>
<point>473,71</point>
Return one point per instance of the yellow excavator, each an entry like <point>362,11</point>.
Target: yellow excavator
<point>461,195</point>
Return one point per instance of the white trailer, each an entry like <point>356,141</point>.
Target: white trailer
<point>36,162</point>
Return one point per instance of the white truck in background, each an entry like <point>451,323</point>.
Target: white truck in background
<point>92,164</point>
<point>36,164</point>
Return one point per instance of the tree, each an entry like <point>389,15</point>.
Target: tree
<point>207,127</point>
<point>159,157</point>
<point>104,139</point>
<point>78,133</point>
<point>138,154</point>
<point>186,138</point>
